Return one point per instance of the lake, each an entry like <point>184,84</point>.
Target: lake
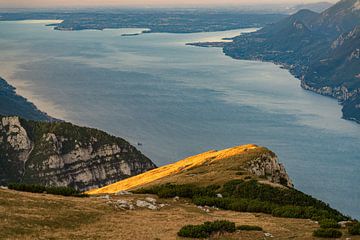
<point>180,100</point>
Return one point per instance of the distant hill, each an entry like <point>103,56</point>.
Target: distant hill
<point>13,104</point>
<point>156,20</point>
<point>321,49</point>
<point>316,7</point>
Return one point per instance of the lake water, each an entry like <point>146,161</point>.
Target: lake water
<point>181,100</point>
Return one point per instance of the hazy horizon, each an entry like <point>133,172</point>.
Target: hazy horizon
<point>142,3</point>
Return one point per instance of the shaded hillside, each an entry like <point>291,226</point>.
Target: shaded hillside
<point>320,49</point>
<point>12,104</point>
<point>62,154</point>
<point>157,20</point>
<point>316,7</point>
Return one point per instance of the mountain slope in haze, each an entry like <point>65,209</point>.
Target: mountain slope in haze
<point>213,167</point>
<point>12,104</point>
<point>320,49</point>
<point>62,154</point>
<point>315,7</point>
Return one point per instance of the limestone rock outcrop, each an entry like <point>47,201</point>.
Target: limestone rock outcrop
<point>61,154</point>
<point>268,167</point>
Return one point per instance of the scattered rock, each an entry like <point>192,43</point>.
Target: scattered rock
<point>3,187</point>
<point>219,195</point>
<point>176,199</point>
<point>205,209</point>
<point>152,207</point>
<point>344,224</point>
<point>268,235</point>
<point>104,197</point>
<point>126,205</point>
<point>123,193</point>
<point>151,200</point>
<point>145,204</point>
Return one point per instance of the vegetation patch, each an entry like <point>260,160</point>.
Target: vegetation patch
<point>207,229</point>
<point>33,188</point>
<point>329,223</point>
<point>327,233</point>
<point>252,196</point>
<point>248,228</point>
<point>355,229</point>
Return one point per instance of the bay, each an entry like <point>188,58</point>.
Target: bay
<point>180,100</point>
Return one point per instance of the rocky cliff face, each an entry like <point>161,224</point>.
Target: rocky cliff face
<point>268,166</point>
<point>61,154</point>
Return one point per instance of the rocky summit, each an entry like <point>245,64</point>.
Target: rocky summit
<point>212,167</point>
<point>62,154</point>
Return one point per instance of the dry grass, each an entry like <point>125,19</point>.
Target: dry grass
<point>213,167</point>
<point>38,216</point>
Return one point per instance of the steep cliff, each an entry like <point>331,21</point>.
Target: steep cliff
<point>62,154</point>
<point>267,166</point>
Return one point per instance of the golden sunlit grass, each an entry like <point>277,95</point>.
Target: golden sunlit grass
<point>206,168</point>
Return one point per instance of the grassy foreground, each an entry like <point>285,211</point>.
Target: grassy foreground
<point>40,216</point>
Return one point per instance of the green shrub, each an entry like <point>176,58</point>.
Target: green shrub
<point>327,233</point>
<point>249,228</point>
<point>193,231</point>
<point>205,230</point>
<point>329,223</point>
<point>252,196</point>
<point>34,188</point>
<point>355,229</point>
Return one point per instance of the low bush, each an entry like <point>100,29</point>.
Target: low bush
<point>207,229</point>
<point>235,204</point>
<point>355,229</point>
<point>248,228</point>
<point>34,188</point>
<point>329,223</point>
<point>193,231</point>
<point>252,196</point>
<point>327,233</point>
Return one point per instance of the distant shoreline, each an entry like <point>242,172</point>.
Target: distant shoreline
<point>12,104</point>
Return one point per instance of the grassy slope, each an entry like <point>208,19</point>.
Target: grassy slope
<point>213,167</point>
<point>38,216</point>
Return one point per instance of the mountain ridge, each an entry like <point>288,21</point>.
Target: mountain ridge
<point>212,167</point>
<point>319,49</point>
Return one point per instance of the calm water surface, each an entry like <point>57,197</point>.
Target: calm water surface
<point>180,100</point>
